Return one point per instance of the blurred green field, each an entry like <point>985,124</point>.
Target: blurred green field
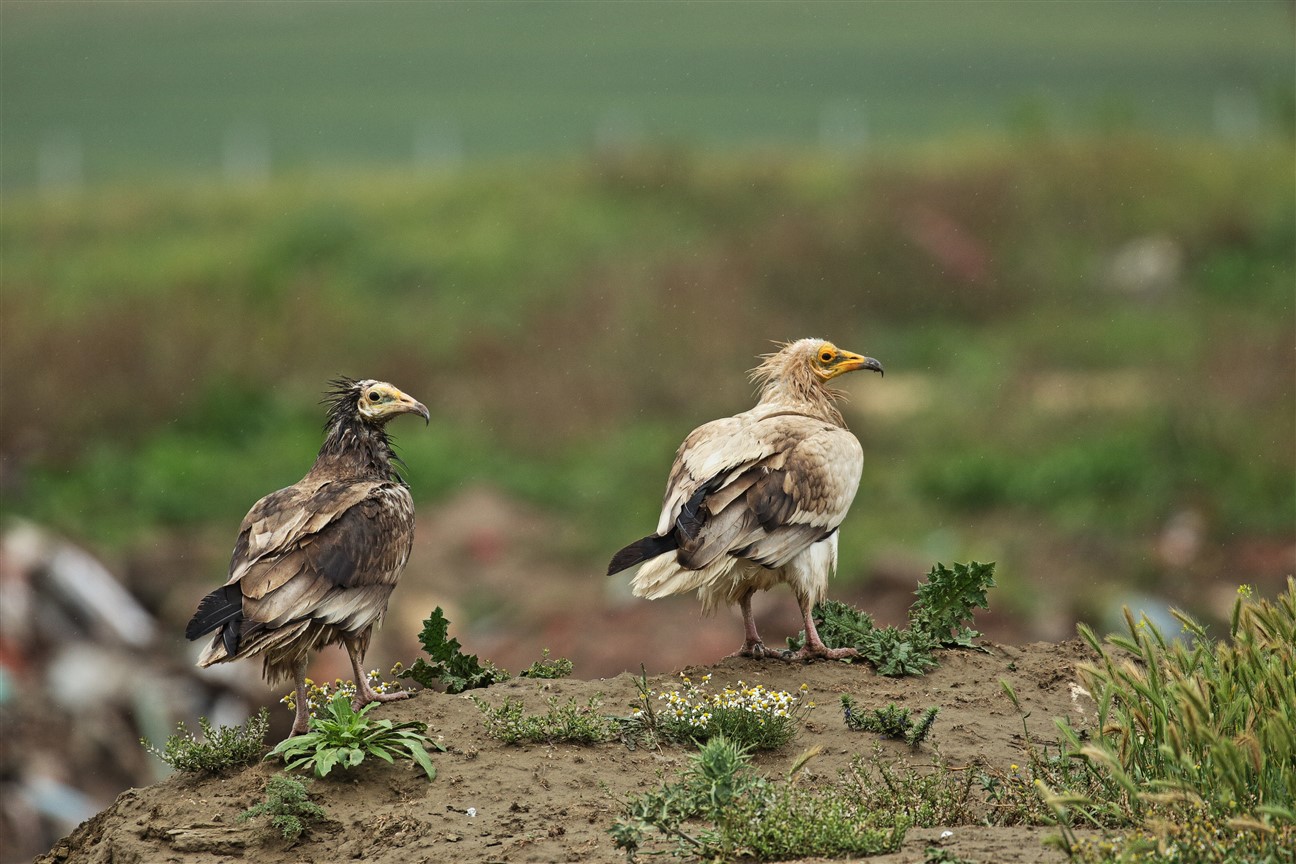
<point>113,92</point>
<point>1085,340</point>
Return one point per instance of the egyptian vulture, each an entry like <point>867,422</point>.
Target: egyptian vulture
<point>755,500</point>
<point>315,563</point>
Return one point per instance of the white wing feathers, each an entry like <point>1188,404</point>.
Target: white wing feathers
<point>761,487</point>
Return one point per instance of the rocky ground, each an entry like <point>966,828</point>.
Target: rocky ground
<point>534,803</point>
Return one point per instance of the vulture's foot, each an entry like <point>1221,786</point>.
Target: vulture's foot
<point>754,650</point>
<point>368,695</point>
<point>819,652</point>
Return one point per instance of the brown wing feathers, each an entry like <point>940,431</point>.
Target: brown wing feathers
<point>316,561</point>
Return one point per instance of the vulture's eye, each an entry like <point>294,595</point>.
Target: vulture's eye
<point>825,356</point>
<point>374,395</point>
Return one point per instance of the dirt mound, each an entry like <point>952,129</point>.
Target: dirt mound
<point>497,803</point>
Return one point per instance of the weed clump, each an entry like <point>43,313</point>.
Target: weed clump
<point>751,716</point>
<point>573,723</point>
<point>560,667</point>
<point>722,810</point>
<point>287,804</point>
<point>891,721</point>
<point>219,749</point>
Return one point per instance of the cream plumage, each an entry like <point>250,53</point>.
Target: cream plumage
<point>755,500</point>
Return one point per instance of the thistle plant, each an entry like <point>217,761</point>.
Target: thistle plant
<point>938,618</point>
<point>891,721</point>
<point>447,665</point>
<point>343,738</point>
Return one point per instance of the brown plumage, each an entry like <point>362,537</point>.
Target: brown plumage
<point>755,500</point>
<point>315,563</point>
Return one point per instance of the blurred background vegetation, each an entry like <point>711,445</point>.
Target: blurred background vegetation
<point>1066,229</point>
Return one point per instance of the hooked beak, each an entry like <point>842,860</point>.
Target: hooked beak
<point>850,362</point>
<point>406,404</point>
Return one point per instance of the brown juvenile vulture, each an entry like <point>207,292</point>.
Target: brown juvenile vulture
<point>314,564</point>
<point>755,499</point>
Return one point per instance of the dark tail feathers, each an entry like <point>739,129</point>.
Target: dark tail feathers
<point>221,608</point>
<point>641,550</point>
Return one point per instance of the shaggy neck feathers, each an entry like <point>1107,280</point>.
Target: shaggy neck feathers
<point>354,448</point>
<point>787,382</point>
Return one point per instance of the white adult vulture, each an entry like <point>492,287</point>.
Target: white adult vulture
<point>755,500</point>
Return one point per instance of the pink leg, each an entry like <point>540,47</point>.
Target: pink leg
<point>301,722</point>
<point>814,646</point>
<point>364,693</point>
<point>752,644</point>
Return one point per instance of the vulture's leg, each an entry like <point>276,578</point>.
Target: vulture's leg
<point>752,644</point>
<point>814,646</point>
<point>364,693</point>
<point>301,722</point>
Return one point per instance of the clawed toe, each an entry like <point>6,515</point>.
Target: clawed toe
<point>809,653</point>
<point>394,696</point>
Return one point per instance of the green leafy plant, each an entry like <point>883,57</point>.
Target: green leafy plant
<point>449,666</point>
<point>946,601</point>
<point>936,855</point>
<point>287,804</point>
<point>891,721</point>
<point>560,667</point>
<point>722,810</point>
<point>749,715</point>
<point>343,738</point>
<point>571,722</point>
<point>219,749</point>
<point>938,618</point>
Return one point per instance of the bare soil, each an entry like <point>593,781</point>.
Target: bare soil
<point>496,803</point>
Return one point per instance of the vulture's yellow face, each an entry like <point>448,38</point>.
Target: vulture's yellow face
<point>829,361</point>
<point>379,401</point>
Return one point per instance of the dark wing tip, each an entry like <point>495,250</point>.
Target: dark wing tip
<point>640,551</point>
<point>220,607</point>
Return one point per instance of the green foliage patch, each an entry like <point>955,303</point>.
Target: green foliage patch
<point>722,810</point>
<point>559,667</point>
<point>288,805</point>
<point>570,722</point>
<point>449,667</point>
<point>750,716</point>
<point>891,721</point>
<point>218,750</point>
<point>343,737</point>
<point>939,618</point>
